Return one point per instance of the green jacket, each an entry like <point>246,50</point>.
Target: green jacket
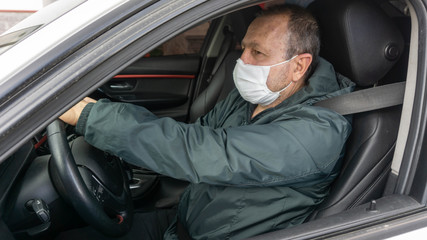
<point>248,176</point>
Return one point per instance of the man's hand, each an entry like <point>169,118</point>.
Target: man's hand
<point>72,115</point>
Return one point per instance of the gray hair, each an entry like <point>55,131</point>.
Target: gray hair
<point>302,34</point>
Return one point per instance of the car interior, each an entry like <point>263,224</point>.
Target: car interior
<point>366,41</point>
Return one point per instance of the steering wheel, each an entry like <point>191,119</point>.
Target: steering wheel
<point>93,182</point>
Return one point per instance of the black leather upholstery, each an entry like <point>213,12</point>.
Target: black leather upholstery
<point>222,81</point>
<point>367,162</point>
<point>221,84</point>
<point>356,38</point>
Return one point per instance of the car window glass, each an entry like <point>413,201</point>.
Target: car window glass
<point>186,43</point>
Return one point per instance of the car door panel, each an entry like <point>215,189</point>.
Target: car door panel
<point>157,83</point>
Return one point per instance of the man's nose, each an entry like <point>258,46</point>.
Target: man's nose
<point>246,58</point>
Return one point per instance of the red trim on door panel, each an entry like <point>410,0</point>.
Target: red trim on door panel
<point>154,76</point>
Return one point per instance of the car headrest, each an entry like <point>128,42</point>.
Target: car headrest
<point>358,38</point>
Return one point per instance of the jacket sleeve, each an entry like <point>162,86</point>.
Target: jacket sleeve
<point>304,150</point>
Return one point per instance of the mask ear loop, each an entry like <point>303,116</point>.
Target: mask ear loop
<point>286,61</point>
<point>283,89</point>
<point>289,94</point>
<point>293,88</point>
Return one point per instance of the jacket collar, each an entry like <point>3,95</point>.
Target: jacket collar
<point>323,83</point>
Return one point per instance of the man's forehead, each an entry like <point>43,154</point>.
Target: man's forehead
<point>272,20</point>
<point>249,42</point>
<point>265,29</point>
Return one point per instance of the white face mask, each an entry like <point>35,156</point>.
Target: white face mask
<point>251,81</point>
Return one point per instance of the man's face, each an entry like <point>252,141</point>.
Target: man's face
<point>264,44</point>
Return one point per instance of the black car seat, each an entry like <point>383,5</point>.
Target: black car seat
<point>219,87</point>
<point>362,43</point>
<point>221,81</point>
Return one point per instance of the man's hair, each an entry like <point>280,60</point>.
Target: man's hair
<point>302,33</point>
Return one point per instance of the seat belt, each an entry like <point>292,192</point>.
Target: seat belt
<point>366,100</point>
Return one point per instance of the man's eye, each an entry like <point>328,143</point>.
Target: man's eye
<point>255,52</point>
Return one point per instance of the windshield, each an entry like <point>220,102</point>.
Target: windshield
<point>34,22</point>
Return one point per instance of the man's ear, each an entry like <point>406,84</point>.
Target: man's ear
<point>301,64</point>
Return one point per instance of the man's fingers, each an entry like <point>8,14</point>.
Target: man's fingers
<point>69,117</point>
<point>89,100</point>
<point>72,115</point>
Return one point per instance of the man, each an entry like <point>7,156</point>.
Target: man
<point>263,158</point>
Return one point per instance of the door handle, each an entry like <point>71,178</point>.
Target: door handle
<point>121,86</point>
